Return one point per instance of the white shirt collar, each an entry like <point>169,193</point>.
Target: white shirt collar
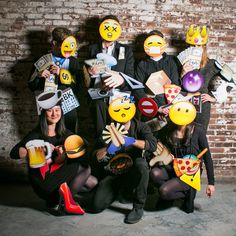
<point>156,58</point>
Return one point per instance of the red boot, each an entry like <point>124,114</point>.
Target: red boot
<point>69,204</point>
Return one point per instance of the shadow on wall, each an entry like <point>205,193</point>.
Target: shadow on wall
<point>23,101</point>
<point>89,34</point>
<point>138,49</point>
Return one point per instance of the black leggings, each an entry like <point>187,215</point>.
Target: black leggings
<point>170,187</point>
<point>83,181</point>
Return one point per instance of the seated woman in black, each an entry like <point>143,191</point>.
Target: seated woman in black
<point>50,181</point>
<point>182,140</point>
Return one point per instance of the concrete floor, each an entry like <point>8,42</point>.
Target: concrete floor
<point>23,213</point>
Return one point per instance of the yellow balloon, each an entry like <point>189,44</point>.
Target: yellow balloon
<point>182,113</point>
<point>110,30</point>
<point>154,46</point>
<point>122,109</point>
<point>68,46</point>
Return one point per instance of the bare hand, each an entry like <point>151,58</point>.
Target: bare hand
<point>22,152</point>
<point>186,68</point>
<point>101,153</point>
<point>164,111</point>
<point>55,70</point>
<point>60,154</point>
<point>93,70</point>
<point>45,74</point>
<point>210,189</point>
<point>52,147</point>
<point>207,98</point>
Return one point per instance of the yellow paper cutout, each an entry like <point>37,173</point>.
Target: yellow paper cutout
<point>192,180</point>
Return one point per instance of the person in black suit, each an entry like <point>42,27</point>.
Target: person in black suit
<point>125,64</point>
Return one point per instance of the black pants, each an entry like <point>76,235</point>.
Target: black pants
<point>109,187</point>
<point>100,116</point>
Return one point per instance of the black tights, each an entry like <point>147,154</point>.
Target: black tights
<point>170,187</point>
<point>83,181</point>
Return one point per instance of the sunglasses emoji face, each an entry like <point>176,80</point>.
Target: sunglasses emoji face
<point>68,47</point>
<point>182,113</point>
<point>110,30</point>
<point>122,109</point>
<point>154,46</point>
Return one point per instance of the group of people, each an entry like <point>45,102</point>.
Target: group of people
<point>121,166</point>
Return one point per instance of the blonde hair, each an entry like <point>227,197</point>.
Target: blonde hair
<point>205,58</point>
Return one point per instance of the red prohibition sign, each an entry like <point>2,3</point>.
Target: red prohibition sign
<point>147,107</point>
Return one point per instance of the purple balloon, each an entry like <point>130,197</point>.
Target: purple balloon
<point>193,81</point>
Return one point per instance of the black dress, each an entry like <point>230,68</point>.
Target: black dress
<point>47,187</point>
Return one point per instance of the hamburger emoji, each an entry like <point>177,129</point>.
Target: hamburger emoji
<point>74,146</point>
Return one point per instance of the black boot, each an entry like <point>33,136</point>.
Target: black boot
<point>134,216</point>
<point>188,205</point>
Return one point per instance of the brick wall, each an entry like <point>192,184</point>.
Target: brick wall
<point>25,33</point>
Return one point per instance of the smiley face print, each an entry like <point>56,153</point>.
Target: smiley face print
<point>182,113</point>
<point>154,46</point>
<point>122,109</point>
<point>68,46</point>
<point>110,30</point>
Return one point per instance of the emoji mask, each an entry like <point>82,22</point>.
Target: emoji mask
<point>68,46</point>
<point>122,109</point>
<point>110,30</point>
<point>182,113</point>
<point>154,46</point>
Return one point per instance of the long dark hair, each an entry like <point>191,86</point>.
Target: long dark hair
<point>168,134</point>
<point>43,125</point>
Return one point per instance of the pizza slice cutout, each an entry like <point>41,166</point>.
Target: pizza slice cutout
<point>185,166</point>
<point>171,91</point>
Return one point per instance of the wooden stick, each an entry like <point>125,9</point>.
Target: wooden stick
<point>202,153</point>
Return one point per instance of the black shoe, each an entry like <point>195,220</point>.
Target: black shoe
<point>134,216</point>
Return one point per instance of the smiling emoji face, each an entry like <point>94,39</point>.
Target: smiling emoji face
<point>182,113</point>
<point>68,47</point>
<point>110,30</point>
<point>154,46</point>
<point>122,109</point>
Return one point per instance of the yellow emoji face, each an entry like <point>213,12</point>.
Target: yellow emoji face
<point>68,46</point>
<point>122,109</point>
<point>182,113</point>
<point>65,77</point>
<point>110,30</point>
<point>154,46</point>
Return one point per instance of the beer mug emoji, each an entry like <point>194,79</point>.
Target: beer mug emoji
<point>36,152</point>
